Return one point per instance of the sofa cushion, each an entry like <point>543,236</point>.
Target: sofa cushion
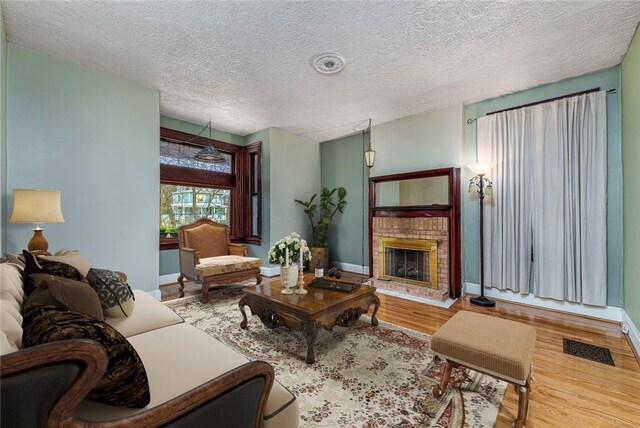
<point>11,301</point>
<point>66,294</point>
<point>15,258</point>
<point>32,265</point>
<point>149,315</point>
<point>76,260</point>
<point>179,358</point>
<point>115,294</point>
<point>125,382</point>
<point>226,264</point>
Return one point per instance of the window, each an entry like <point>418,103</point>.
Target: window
<point>228,192</point>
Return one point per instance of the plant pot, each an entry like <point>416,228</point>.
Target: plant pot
<point>322,254</point>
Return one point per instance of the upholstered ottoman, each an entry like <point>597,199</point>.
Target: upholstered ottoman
<point>491,345</point>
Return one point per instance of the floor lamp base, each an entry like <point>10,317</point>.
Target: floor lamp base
<point>482,301</point>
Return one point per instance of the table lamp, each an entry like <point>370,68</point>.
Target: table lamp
<point>36,206</point>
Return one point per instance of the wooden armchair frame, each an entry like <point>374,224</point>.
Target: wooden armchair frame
<point>190,257</point>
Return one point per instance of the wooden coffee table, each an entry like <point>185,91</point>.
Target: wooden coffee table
<point>308,312</point>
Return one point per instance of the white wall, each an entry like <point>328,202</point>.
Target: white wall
<point>95,137</point>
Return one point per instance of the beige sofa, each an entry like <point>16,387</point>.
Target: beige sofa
<point>194,379</point>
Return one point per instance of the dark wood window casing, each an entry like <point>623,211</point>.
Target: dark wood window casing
<point>253,190</point>
<point>238,182</point>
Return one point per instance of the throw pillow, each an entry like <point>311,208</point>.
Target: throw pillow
<point>125,382</point>
<point>66,294</point>
<point>76,260</point>
<point>15,258</point>
<point>32,265</point>
<point>115,294</point>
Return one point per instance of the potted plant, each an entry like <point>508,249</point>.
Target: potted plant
<point>295,246</point>
<point>327,208</point>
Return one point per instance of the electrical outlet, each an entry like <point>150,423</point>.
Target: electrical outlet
<point>625,328</point>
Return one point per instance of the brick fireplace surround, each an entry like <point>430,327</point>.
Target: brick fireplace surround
<point>440,223</point>
<point>435,228</point>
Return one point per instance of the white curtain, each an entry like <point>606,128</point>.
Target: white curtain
<point>550,183</point>
<point>507,226</point>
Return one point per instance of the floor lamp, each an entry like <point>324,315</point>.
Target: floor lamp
<point>483,186</point>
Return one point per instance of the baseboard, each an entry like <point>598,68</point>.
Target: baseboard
<point>168,278</point>
<point>610,313</point>
<point>156,294</point>
<point>350,267</point>
<point>634,334</point>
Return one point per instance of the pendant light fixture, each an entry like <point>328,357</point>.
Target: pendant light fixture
<point>209,153</point>
<point>369,154</point>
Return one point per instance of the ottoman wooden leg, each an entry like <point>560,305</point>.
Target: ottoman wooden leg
<point>439,389</point>
<point>523,405</point>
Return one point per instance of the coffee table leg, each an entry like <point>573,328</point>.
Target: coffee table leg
<point>310,331</point>
<point>241,304</point>
<point>376,301</point>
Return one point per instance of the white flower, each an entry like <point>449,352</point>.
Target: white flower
<point>297,246</point>
<point>289,240</point>
<point>281,259</point>
<point>294,235</point>
<point>282,246</point>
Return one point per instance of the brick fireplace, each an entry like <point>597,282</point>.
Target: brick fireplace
<point>402,232</point>
<point>414,238</point>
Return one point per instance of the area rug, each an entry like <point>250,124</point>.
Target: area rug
<point>363,376</point>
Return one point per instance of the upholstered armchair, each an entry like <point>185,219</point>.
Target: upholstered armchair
<point>208,258</point>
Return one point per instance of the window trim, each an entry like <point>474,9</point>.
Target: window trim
<point>253,149</point>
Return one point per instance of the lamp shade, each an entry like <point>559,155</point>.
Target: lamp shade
<point>36,206</point>
<point>480,168</point>
<point>370,157</point>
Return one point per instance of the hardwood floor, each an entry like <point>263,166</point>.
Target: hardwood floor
<point>568,391</point>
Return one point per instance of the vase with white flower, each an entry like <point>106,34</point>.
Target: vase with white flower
<point>290,252</point>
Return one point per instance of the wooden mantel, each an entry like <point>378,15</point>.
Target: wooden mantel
<point>452,211</point>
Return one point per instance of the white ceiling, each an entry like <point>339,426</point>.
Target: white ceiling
<point>246,66</point>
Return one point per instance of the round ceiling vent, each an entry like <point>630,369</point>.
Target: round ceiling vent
<point>328,63</point>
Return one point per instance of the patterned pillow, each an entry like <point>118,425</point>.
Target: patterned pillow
<point>32,265</point>
<point>125,382</point>
<point>66,294</point>
<point>114,293</point>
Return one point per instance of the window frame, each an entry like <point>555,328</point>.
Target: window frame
<point>238,182</point>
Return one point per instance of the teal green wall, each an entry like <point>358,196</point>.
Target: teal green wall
<point>423,141</point>
<point>169,263</point>
<point>3,131</point>
<point>195,129</point>
<point>95,137</point>
<point>607,79</point>
<point>343,166</point>
<point>294,174</point>
<point>631,160</point>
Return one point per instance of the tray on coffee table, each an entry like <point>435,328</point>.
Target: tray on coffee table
<point>333,284</point>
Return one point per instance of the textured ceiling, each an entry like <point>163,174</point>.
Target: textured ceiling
<point>246,66</point>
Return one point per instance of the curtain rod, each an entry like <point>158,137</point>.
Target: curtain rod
<point>575,94</point>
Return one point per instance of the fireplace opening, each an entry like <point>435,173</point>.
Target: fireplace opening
<point>414,261</point>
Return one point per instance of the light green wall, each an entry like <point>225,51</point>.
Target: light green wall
<point>3,130</point>
<point>95,137</point>
<point>342,166</point>
<point>424,141</point>
<point>607,79</point>
<point>294,174</point>
<point>169,263</point>
<point>631,160</point>
<point>192,128</point>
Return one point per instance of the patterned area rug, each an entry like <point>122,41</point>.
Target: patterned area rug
<point>363,377</point>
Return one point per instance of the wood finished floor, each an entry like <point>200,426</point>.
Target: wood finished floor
<point>568,391</point>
